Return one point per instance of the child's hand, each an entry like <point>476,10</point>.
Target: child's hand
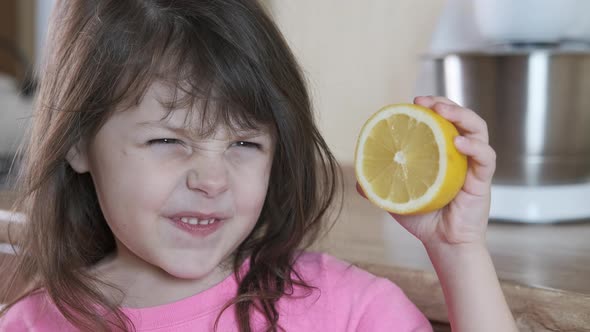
<point>464,219</point>
<point>454,236</point>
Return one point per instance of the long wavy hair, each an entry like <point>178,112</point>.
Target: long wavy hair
<point>102,54</point>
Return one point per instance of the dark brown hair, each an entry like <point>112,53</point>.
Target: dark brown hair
<point>104,54</point>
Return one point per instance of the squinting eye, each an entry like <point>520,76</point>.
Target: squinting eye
<point>247,144</point>
<point>164,141</point>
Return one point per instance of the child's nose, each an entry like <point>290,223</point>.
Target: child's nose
<point>209,178</point>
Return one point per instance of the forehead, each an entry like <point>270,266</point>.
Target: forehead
<point>159,109</point>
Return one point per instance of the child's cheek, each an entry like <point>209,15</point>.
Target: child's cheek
<point>250,185</point>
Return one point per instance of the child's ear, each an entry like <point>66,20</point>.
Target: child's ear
<point>77,157</point>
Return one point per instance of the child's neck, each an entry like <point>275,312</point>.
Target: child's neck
<point>145,285</point>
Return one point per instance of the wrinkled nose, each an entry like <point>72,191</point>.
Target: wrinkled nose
<point>209,178</point>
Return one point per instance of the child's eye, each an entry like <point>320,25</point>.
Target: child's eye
<point>164,141</point>
<point>247,144</point>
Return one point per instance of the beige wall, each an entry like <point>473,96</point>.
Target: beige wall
<point>358,56</point>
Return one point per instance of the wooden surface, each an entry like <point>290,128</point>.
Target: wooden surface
<point>535,309</point>
<point>544,269</point>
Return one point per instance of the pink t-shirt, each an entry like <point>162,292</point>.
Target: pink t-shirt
<point>346,299</point>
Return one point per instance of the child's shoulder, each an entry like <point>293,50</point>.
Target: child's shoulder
<point>28,304</point>
<point>369,302</point>
<point>34,310</point>
<point>321,269</point>
<point>323,265</point>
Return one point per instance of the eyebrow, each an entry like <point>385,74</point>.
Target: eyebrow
<point>186,131</point>
<point>160,124</point>
<point>156,124</point>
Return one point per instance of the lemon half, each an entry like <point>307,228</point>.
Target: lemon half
<point>406,161</point>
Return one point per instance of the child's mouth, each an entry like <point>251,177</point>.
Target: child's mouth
<point>197,227</point>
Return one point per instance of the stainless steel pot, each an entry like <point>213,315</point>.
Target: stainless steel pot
<point>537,106</point>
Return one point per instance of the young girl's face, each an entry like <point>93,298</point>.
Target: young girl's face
<point>155,181</point>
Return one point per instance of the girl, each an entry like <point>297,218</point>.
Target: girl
<point>174,171</point>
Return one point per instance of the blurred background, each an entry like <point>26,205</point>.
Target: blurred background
<point>524,66</point>
<point>17,57</point>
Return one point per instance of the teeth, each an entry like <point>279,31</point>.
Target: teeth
<point>195,221</point>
